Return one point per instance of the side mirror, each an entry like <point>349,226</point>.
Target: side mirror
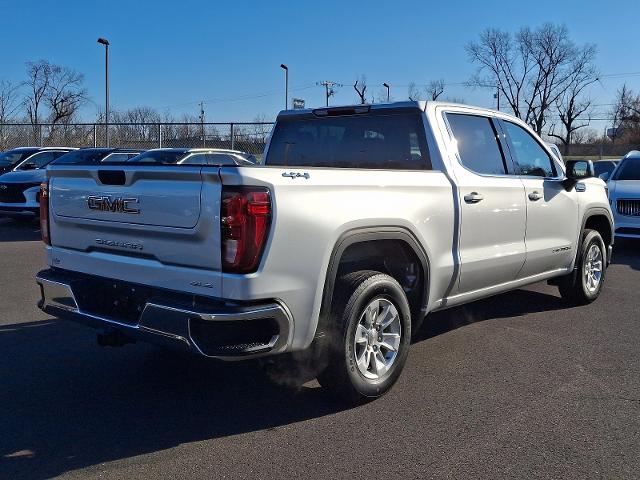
<point>579,169</point>
<point>604,176</point>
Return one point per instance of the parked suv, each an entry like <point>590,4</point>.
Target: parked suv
<point>20,189</point>
<point>361,221</point>
<point>624,193</point>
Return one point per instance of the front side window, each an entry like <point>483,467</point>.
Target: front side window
<point>375,141</point>
<point>532,160</point>
<point>477,143</point>
<point>88,156</point>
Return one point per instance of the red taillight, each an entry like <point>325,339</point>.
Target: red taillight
<point>245,217</point>
<point>44,213</point>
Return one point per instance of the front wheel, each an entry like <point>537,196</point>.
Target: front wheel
<point>371,336</point>
<point>585,285</point>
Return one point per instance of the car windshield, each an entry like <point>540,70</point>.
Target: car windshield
<point>81,156</point>
<point>160,156</point>
<point>13,157</point>
<point>629,170</point>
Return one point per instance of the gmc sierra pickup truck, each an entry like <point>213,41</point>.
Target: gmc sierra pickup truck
<point>358,223</point>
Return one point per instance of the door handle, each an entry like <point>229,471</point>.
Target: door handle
<point>473,197</point>
<point>535,196</point>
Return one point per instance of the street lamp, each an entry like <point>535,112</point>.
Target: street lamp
<point>386,85</point>
<point>105,42</point>
<point>286,85</point>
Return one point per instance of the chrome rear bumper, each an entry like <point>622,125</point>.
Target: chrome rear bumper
<point>175,325</point>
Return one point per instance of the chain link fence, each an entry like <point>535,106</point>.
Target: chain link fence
<point>248,137</point>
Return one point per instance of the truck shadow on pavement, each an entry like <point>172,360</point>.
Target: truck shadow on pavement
<point>19,231</point>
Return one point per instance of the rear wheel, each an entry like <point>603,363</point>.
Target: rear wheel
<point>585,285</point>
<point>370,342</point>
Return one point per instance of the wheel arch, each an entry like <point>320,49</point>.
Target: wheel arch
<point>374,235</point>
<point>598,218</point>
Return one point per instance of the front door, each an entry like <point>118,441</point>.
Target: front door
<point>552,212</point>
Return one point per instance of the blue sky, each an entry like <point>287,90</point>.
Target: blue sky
<point>170,55</point>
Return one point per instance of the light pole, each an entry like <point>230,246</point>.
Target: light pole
<point>105,42</point>
<point>386,85</point>
<point>286,85</point>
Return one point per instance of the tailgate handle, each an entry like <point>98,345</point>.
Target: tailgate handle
<point>112,177</point>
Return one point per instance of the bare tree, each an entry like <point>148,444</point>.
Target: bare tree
<point>573,104</point>
<point>37,84</point>
<point>435,88</point>
<point>361,91</point>
<point>503,64</point>
<point>531,70</point>
<point>65,94</point>
<point>8,107</point>
<point>625,114</point>
<point>8,101</point>
<point>413,92</point>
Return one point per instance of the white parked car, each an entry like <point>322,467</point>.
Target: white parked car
<point>624,196</point>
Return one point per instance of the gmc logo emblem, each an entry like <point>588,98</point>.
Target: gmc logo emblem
<point>113,204</point>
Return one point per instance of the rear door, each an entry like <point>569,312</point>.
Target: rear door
<point>552,212</point>
<point>159,214</point>
<point>492,206</point>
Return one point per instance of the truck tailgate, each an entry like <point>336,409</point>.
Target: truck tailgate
<point>161,215</point>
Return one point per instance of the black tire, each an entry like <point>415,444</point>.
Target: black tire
<point>354,293</point>
<point>573,288</point>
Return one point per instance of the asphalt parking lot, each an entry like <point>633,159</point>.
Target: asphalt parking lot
<point>516,386</point>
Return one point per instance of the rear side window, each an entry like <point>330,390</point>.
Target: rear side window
<point>377,141</point>
<point>532,159</point>
<point>477,143</point>
<point>117,157</point>
<point>160,156</point>
<point>81,157</point>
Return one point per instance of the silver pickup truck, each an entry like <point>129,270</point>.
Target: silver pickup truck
<point>359,222</point>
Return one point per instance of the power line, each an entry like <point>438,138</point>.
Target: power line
<point>328,87</point>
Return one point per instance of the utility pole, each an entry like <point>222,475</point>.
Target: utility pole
<point>497,97</point>
<point>202,123</point>
<point>286,85</point>
<point>105,42</point>
<point>328,88</point>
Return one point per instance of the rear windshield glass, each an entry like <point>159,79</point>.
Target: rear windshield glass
<point>393,141</point>
<point>81,156</point>
<point>629,170</point>
<point>160,156</point>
